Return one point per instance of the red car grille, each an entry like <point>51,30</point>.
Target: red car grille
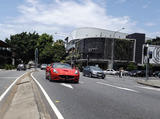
<point>66,77</point>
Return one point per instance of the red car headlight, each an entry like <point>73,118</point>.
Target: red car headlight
<point>55,71</point>
<point>76,72</point>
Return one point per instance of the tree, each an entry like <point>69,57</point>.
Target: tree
<point>44,40</point>
<point>59,50</point>
<point>46,56</point>
<point>155,41</point>
<point>131,66</point>
<point>53,53</point>
<point>45,48</point>
<point>149,42</point>
<point>23,45</point>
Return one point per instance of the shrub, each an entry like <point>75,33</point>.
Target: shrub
<point>131,66</point>
<point>9,67</point>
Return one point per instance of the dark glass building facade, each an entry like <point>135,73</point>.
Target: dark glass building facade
<point>91,46</point>
<point>140,40</point>
<point>98,50</point>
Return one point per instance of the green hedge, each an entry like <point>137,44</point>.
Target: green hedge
<point>7,67</point>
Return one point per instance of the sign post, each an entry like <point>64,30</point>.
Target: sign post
<point>36,58</point>
<point>146,54</point>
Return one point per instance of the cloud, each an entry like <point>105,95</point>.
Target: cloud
<point>64,16</point>
<point>6,30</point>
<point>150,24</point>
<point>153,34</point>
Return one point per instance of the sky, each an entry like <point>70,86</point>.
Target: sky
<point>63,16</point>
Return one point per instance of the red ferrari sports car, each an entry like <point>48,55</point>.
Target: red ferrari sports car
<point>63,72</point>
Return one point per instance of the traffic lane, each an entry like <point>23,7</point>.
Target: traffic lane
<point>130,82</point>
<point>10,73</point>
<point>125,83</point>
<point>7,77</point>
<point>147,96</point>
<point>92,100</point>
<point>126,80</point>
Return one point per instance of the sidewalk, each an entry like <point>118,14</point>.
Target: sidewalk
<point>2,69</point>
<point>151,82</point>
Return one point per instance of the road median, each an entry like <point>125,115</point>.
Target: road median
<point>24,101</point>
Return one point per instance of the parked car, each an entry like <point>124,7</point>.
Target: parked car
<point>62,72</point>
<point>125,73</point>
<point>110,71</point>
<point>93,71</point>
<point>137,73</point>
<point>43,66</point>
<point>156,73</point>
<point>21,67</point>
<point>159,75</point>
<point>142,73</point>
<point>133,73</point>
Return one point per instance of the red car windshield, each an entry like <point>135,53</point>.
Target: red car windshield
<point>59,65</point>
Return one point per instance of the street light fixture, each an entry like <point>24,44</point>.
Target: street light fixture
<point>66,42</point>
<point>112,55</point>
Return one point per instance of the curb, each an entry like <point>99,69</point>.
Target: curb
<point>148,84</point>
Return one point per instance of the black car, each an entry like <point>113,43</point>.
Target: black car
<point>21,67</point>
<point>133,73</point>
<point>93,71</point>
<point>155,74</point>
<point>137,73</point>
<point>140,73</point>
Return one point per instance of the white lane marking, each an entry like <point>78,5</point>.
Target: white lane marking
<point>7,90</point>
<point>127,89</point>
<point>53,106</point>
<point>67,85</point>
<point>149,88</point>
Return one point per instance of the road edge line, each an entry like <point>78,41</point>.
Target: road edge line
<point>53,106</point>
<point>8,89</point>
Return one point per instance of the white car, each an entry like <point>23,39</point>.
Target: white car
<point>110,71</point>
<point>43,66</point>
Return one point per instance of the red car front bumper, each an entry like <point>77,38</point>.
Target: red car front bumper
<point>59,77</point>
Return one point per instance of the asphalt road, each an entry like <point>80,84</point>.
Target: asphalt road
<point>111,98</point>
<point>7,77</point>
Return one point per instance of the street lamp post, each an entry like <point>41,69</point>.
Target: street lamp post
<point>112,45</point>
<point>66,42</point>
